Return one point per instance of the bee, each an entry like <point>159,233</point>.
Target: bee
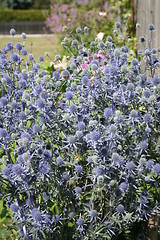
<point>92,82</point>
<point>77,156</point>
<point>66,76</point>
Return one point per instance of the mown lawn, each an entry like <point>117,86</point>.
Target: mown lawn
<point>40,44</point>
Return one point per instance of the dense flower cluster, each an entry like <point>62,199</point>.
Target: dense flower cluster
<point>80,146</point>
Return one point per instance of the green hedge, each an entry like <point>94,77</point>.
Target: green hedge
<point>21,15</point>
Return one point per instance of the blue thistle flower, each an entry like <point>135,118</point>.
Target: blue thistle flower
<point>36,129</point>
<point>120,208</point>
<point>14,208</point>
<point>4,101</point>
<point>147,93</point>
<point>81,126</point>
<point>24,75</point>
<point>43,168</point>
<point>124,186</point>
<point>59,161</point>
<point>133,114</point>
<point>108,112</point>
<point>19,46</point>
<point>95,136</point>
<point>72,108</point>
<point>143,145</point>
<point>12,32</point>
<point>100,171</point>
<point>14,57</point>
<point>85,80</point>
<point>6,171</point>
<point>26,135</point>
<point>40,103</point>
<point>149,164</point>
<point>9,46</point>
<point>80,222</point>
<point>37,215</point>
<point>3,133</point>
<point>78,169</point>
<point>78,191</point>
<point>24,52</point>
<point>38,89</point>
<point>41,58</point>
<point>56,75</point>
<point>17,169</point>
<point>66,74</point>
<point>65,176</point>
<point>130,165</point>
<point>46,153</point>
<point>156,168</point>
<point>69,95</point>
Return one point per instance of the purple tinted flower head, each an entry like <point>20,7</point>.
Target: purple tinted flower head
<point>4,101</point>
<point>156,168</point>
<point>108,112</point>
<point>6,171</point>
<point>37,215</point>
<point>95,135</point>
<point>143,145</point>
<point>69,95</point>
<point>43,168</point>
<point>3,133</point>
<point>124,186</point>
<point>85,80</point>
<point>19,46</point>
<point>93,214</point>
<point>9,46</point>
<point>38,89</point>
<point>134,114</point>
<point>149,164</point>
<point>24,52</point>
<point>56,75</point>
<point>14,57</point>
<point>40,103</point>
<point>81,126</point>
<point>65,176</point>
<point>80,222</point>
<point>14,208</point>
<point>12,32</point>
<point>130,165</point>
<point>147,118</point>
<point>147,93</point>
<point>78,169</point>
<point>46,153</point>
<point>26,135</point>
<point>100,171</point>
<point>78,190</point>
<point>24,75</point>
<point>120,208</point>
<point>66,74</point>
<point>72,108</point>
<point>41,58</point>
<point>59,161</point>
<point>36,129</point>
<point>17,169</point>
<point>43,73</point>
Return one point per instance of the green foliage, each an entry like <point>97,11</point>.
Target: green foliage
<point>21,15</point>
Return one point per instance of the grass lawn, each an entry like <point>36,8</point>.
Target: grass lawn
<point>40,44</point>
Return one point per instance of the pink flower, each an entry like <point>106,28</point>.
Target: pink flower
<point>102,68</point>
<point>58,102</point>
<point>84,65</point>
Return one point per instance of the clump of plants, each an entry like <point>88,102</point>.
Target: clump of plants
<point>80,146</point>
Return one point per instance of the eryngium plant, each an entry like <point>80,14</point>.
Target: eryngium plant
<point>81,147</point>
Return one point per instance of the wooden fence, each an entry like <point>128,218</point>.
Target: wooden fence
<point>148,11</point>
<point>29,27</point>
